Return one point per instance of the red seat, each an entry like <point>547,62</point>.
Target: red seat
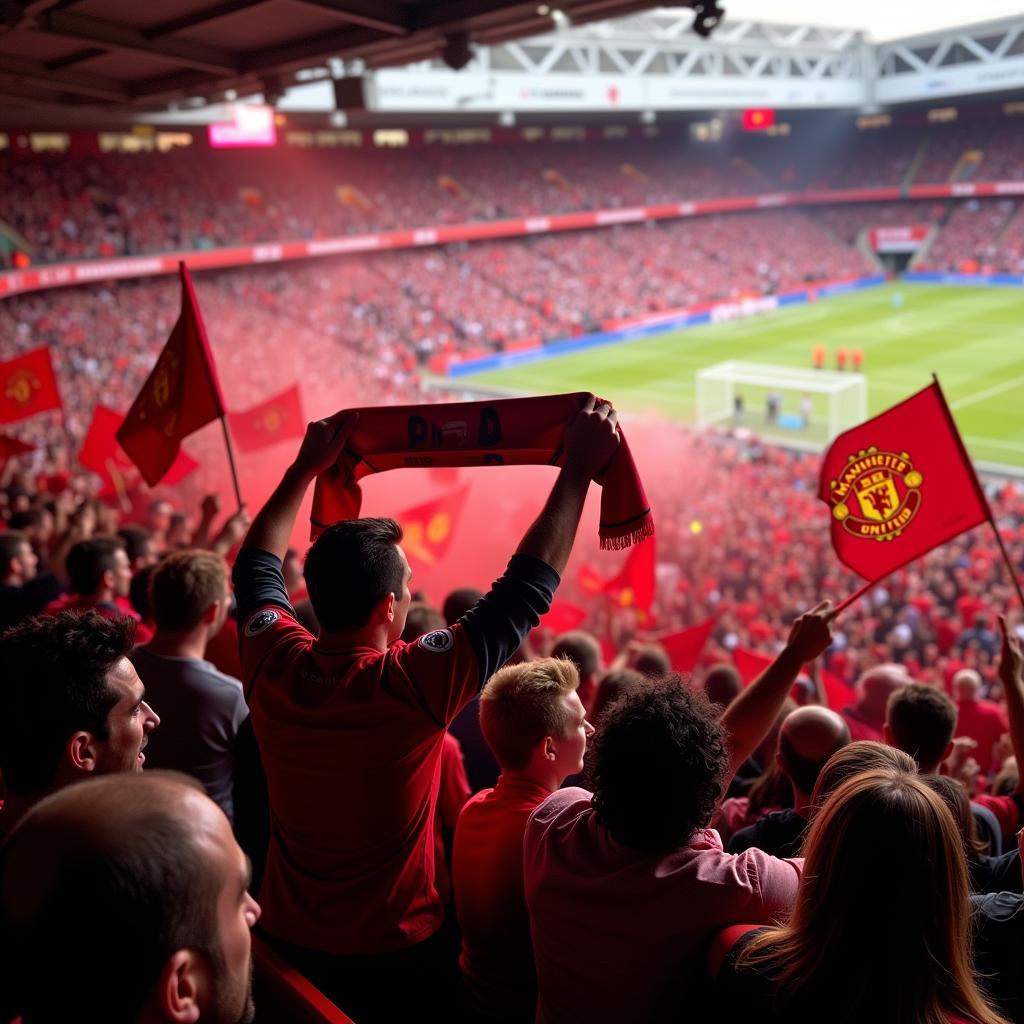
<point>284,995</point>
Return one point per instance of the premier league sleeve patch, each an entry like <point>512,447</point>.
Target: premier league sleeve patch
<point>261,621</point>
<point>439,641</point>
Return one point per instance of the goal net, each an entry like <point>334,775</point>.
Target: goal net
<point>781,401</point>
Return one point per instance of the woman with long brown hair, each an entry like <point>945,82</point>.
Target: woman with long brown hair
<point>880,931</point>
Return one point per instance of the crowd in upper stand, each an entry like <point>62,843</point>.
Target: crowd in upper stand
<point>640,845</point>
<point>69,208</point>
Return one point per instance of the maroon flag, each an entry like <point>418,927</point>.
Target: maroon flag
<point>180,395</point>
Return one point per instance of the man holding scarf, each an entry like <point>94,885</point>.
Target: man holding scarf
<point>350,724</point>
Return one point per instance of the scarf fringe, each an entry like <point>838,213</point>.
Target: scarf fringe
<point>621,541</point>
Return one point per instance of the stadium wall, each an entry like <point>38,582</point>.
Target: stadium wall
<point>953,277</point>
<point>645,326</point>
<point>61,275</point>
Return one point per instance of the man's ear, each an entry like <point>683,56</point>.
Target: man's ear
<point>388,605</point>
<point>211,613</point>
<point>108,579</point>
<point>180,988</point>
<point>548,748</point>
<point>81,751</point>
<point>887,734</point>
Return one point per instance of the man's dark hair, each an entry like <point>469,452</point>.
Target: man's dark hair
<point>89,559</point>
<point>722,684</point>
<point>659,766</point>
<point>458,602</point>
<point>138,591</point>
<point>351,568</point>
<point>145,895</point>
<point>136,540</point>
<point>10,547</point>
<point>581,649</point>
<point>54,685</point>
<point>922,720</point>
<point>27,518</point>
<point>651,660</point>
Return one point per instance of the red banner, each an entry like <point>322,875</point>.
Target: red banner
<point>10,446</point>
<point>27,386</point>
<point>633,587</point>
<point>101,453</point>
<point>180,395</point>
<point>277,419</point>
<point>899,485</point>
<point>430,527</point>
<point>684,647</point>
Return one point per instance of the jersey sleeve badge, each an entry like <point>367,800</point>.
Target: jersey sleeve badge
<point>261,621</point>
<point>439,641</point>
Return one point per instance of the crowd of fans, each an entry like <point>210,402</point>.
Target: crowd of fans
<point>80,207</point>
<point>639,845</point>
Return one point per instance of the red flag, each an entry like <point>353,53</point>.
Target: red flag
<point>750,664</point>
<point>27,386</point>
<point>429,527</point>
<point>12,446</point>
<point>179,396</point>
<point>563,617</point>
<point>101,453</point>
<point>277,419</point>
<point>590,580</point>
<point>684,647</point>
<point>899,485</point>
<point>634,585</point>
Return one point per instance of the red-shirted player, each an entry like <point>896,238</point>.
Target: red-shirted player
<point>818,356</point>
<point>350,725</point>
<point>841,356</point>
<point>857,358</point>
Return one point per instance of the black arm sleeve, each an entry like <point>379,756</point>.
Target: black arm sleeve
<point>498,622</point>
<point>258,581</point>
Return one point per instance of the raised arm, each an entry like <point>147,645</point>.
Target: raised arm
<point>272,528</point>
<point>1011,675</point>
<point>590,442</point>
<point>749,717</point>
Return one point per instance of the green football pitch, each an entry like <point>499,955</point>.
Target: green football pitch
<point>973,338</point>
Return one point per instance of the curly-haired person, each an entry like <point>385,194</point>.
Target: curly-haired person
<point>627,885</point>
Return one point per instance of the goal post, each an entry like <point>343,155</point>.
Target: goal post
<point>780,400</point>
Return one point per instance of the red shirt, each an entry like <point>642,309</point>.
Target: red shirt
<point>351,743</point>
<point>487,863</point>
<point>984,722</point>
<point>859,729</point>
<point>1007,810</point>
<point>451,797</point>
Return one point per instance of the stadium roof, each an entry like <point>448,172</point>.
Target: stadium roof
<point>130,54</point>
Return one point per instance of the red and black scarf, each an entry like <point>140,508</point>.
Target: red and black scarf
<point>510,432</point>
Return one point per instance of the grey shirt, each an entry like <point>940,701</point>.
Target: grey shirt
<point>201,711</point>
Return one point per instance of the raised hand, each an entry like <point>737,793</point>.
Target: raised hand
<point>811,634</point>
<point>592,437</point>
<point>324,441</point>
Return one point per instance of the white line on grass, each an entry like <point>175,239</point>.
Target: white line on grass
<point>997,389</point>
<point>988,442</point>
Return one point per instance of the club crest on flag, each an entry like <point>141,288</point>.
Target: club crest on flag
<point>21,386</point>
<point>877,494</point>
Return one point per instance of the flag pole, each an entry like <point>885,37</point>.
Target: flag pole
<point>983,497</point>
<point>857,594</point>
<point>231,460</point>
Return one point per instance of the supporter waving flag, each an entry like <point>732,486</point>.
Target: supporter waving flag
<point>899,485</point>
<point>181,395</point>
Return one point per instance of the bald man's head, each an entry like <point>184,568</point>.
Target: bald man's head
<point>966,684</point>
<point>105,882</point>
<point>878,684</point>
<point>807,739</point>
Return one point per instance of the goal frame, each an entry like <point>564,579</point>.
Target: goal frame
<point>847,393</point>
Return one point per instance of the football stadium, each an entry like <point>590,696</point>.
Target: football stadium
<point>511,511</point>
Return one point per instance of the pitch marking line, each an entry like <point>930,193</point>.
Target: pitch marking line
<point>997,389</point>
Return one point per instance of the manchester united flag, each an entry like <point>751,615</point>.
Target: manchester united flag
<point>428,528</point>
<point>899,485</point>
<point>180,395</point>
<point>277,419</point>
<point>27,386</point>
